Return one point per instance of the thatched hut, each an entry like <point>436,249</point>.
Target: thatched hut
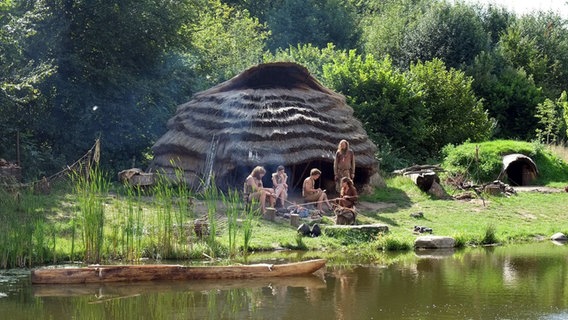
<point>271,114</point>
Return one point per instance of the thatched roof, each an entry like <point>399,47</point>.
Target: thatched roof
<point>271,114</point>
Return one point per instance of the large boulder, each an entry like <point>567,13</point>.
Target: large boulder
<point>434,242</point>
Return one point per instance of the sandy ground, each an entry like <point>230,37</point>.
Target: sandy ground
<point>538,189</point>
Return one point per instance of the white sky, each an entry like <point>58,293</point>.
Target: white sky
<point>528,6</point>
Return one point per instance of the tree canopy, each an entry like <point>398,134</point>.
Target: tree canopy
<point>419,74</point>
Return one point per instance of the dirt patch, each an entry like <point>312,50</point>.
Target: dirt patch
<point>374,206</point>
<point>538,189</point>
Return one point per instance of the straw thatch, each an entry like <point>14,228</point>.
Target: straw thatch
<point>271,114</point>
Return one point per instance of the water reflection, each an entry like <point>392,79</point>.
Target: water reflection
<point>513,282</point>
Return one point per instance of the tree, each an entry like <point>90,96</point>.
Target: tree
<point>110,75</point>
<point>385,25</point>
<point>453,113</point>
<point>388,105</point>
<point>451,33</point>
<point>538,44</point>
<point>225,42</point>
<point>509,95</point>
<point>551,121</point>
<point>316,22</point>
<point>311,57</point>
<point>21,103</point>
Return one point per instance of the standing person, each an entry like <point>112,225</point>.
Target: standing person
<point>311,194</point>
<point>280,185</point>
<point>344,163</point>
<point>255,190</point>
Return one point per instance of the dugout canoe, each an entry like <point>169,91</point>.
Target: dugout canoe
<point>153,272</point>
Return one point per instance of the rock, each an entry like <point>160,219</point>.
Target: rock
<point>559,236</point>
<point>417,215</point>
<point>434,242</point>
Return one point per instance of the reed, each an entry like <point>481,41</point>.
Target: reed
<point>91,189</point>
<point>232,202</point>
<point>163,220</point>
<point>489,236</point>
<point>250,217</point>
<point>185,211</point>
<point>211,195</point>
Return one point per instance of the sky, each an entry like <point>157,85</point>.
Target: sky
<point>528,6</point>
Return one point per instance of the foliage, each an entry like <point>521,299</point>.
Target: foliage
<point>551,124</point>
<point>509,94</point>
<point>538,44</point>
<point>116,70</point>
<point>311,57</point>
<point>225,42</point>
<point>319,22</point>
<point>385,25</point>
<point>452,111</point>
<point>382,98</point>
<point>451,33</point>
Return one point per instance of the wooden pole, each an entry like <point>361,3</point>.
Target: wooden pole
<point>18,148</point>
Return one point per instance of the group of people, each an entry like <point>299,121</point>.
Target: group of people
<point>344,173</point>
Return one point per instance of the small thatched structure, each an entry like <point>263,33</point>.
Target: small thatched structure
<point>519,169</point>
<point>271,114</point>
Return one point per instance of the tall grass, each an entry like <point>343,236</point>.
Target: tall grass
<point>184,212</point>
<point>162,234</point>
<point>250,217</point>
<point>92,189</point>
<point>131,224</point>
<point>232,204</point>
<point>23,230</point>
<point>211,196</point>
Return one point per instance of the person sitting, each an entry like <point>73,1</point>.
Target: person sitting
<point>280,185</point>
<point>345,212</point>
<point>348,195</point>
<point>255,190</point>
<point>311,194</point>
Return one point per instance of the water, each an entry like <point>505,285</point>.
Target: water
<point>512,282</point>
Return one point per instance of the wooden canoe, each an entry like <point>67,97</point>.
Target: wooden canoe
<point>117,273</point>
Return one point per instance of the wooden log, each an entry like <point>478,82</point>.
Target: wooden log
<point>270,214</point>
<point>425,179</point>
<point>295,220</point>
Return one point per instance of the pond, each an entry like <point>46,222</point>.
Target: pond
<point>511,282</point>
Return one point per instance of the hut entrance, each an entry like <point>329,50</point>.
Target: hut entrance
<point>519,169</point>
<point>296,175</point>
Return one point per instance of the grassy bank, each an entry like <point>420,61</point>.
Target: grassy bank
<point>82,222</point>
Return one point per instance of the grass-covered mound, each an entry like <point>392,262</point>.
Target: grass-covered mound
<point>483,162</point>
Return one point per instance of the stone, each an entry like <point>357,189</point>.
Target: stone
<point>434,242</point>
